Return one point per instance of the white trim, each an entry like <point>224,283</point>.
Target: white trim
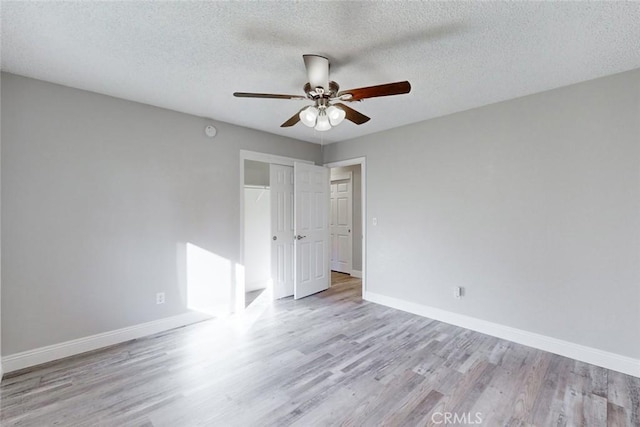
<point>269,158</point>
<point>341,176</point>
<point>356,273</point>
<point>362,161</point>
<point>49,353</point>
<point>605,359</point>
<point>348,162</point>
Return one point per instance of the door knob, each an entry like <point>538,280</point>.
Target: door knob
<point>299,237</point>
<point>275,237</point>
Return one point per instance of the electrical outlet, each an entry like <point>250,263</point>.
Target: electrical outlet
<point>160,298</point>
<point>458,292</point>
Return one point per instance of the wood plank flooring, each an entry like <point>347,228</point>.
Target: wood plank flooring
<point>329,359</point>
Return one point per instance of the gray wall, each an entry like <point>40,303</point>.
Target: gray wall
<point>356,191</point>
<point>532,205</point>
<point>99,197</point>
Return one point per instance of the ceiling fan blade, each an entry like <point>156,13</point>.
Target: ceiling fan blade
<point>388,89</point>
<point>353,115</point>
<point>267,95</point>
<point>293,120</point>
<point>317,71</point>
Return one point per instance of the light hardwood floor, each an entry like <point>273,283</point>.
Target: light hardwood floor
<point>329,359</point>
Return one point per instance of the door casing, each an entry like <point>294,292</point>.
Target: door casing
<point>289,161</point>
<point>363,194</point>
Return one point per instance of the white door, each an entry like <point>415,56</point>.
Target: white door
<point>311,185</point>
<point>340,224</point>
<point>281,183</point>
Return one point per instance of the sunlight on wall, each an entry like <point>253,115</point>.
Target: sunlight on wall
<point>215,286</point>
<point>209,281</point>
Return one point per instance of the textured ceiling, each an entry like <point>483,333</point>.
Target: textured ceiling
<point>191,56</point>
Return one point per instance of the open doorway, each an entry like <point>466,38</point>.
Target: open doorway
<point>310,264</point>
<point>279,260</point>
<point>257,234</point>
<point>347,225</point>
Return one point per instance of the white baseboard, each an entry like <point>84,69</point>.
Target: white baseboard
<point>356,273</point>
<point>613,361</point>
<point>49,353</point>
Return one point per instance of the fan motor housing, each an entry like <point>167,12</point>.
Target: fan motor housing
<point>319,92</point>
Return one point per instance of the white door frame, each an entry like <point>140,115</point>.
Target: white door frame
<point>237,293</point>
<point>363,194</point>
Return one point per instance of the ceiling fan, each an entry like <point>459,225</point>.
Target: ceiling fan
<point>327,109</point>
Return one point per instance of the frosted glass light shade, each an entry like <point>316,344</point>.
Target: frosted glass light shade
<point>336,115</point>
<point>308,116</point>
<point>323,123</point>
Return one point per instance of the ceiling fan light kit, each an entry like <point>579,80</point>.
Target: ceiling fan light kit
<point>309,115</point>
<point>323,122</point>
<point>326,112</point>
<point>322,118</point>
<point>336,115</point>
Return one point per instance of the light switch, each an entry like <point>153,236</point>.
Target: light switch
<point>374,221</point>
